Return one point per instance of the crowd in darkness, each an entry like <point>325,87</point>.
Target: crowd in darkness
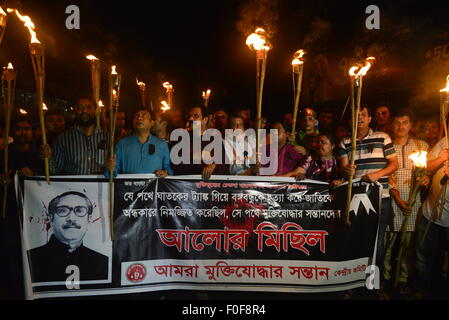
<point>320,150</point>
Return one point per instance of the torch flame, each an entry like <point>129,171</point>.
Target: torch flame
<point>10,66</point>
<point>92,57</point>
<point>28,23</point>
<point>2,12</point>
<point>361,70</point>
<point>44,107</point>
<point>165,106</point>
<point>419,159</point>
<point>167,86</point>
<point>113,70</point>
<point>297,57</point>
<point>100,103</point>
<point>140,83</point>
<point>257,40</point>
<point>207,93</point>
<point>22,111</point>
<point>447,86</point>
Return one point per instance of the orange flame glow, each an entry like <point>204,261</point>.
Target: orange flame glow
<point>167,86</point>
<point>258,41</point>
<point>140,83</point>
<point>28,24</point>
<point>92,57</point>
<point>297,57</point>
<point>419,159</point>
<point>165,106</point>
<point>361,70</point>
<point>44,107</point>
<point>10,66</point>
<point>23,111</point>
<point>2,12</point>
<point>447,86</point>
<point>113,70</point>
<point>100,103</point>
<point>207,93</point>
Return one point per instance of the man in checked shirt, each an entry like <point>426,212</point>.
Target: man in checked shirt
<point>81,150</point>
<point>400,183</point>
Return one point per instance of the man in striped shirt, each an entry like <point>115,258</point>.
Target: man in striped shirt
<point>375,160</point>
<point>82,149</point>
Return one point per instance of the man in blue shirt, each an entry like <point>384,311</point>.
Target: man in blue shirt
<point>141,152</point>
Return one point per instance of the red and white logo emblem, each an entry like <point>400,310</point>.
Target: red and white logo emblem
<point>136,272</point>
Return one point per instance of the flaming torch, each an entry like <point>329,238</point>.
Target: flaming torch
<point>297,70</point>
<point>444,106</point>
<point>95,75</point>
<point>206,96</point>
<point>357,73</point>
<point>420,163</point>
<point>114,96</point>
<point>38,60</point>
<point>3,21</point>
<point>258,42</point>
<point>169,89</point>
<point>165,106</point>
<point>142,89</point>
<point>8,89</point>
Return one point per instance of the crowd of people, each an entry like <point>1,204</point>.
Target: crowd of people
<point>320,150</point>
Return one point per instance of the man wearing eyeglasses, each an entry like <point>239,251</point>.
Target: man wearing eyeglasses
<point>69,214</point>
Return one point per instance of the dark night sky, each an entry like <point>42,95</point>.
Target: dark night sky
<point>195,44</point>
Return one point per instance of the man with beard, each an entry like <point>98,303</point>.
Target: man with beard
<point>83,149</point>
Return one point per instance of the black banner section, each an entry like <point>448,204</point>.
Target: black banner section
<point>240,234</point>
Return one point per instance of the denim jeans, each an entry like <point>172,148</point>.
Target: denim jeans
<point>383,223</point>
<point>428,251</point>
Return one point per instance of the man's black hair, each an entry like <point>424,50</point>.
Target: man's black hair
<point>53,112</point>
<point>405,112</point>
<point>54,202</point>
<point>20,118</point>
<point>365,106</point>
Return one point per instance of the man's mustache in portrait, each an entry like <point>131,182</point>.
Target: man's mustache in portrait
<point>71,224</point>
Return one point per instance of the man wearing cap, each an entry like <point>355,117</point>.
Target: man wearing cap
<point>70,214</point>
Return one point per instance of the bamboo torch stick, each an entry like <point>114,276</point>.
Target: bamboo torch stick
<point>420,163</point>
<point>206,95</point>
<point>169,90</point>
<point>3,22</point>
<point>297,70</point>
<point>114,95</point>
<point>142,90</point>
<point>38,61</point>
<point>8,89</point>
<point>95,75</point>
<point>258,42</point>
<point>356,94</point>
